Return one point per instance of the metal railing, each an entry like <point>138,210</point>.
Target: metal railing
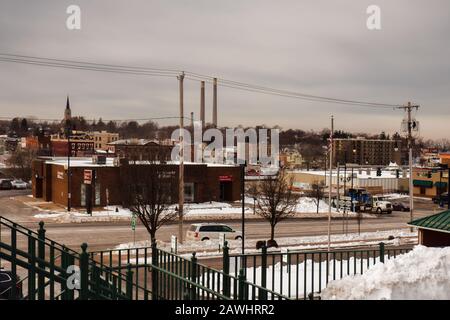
<point>304,274</point>
<point>45,269</point>
<point>173,277</point>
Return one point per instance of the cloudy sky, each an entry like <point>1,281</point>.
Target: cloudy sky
<point>316,47</point>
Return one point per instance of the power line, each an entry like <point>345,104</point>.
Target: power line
<point>121,69</point>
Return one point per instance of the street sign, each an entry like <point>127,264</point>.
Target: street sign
<point>285,254</point>
<point>173,244</point>
<point>87,176</point>
<point>133,222</point>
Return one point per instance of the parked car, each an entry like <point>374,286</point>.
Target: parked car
<point>209,231</point>
<point>400,206</point>
<point>7,281</point>
<point>19,184</point>
<point>442,198</point>
<point>5,184</point>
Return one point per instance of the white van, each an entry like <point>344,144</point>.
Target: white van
<point>210,231</point>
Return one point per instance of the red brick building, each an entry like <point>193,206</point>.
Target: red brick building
<point>203,182</point>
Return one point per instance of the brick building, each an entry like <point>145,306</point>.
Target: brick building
<point>366,151</point>
<point>429,182</point>
<point>203,182</point>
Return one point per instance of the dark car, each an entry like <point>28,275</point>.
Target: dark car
<point>7,281</point>
<point>5,184</point>
<point>400,206</point>
<point>441,199</point>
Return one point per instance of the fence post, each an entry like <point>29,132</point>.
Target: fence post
<point>381,252</point>
<point>41,256</point>
<point>154,271</point>
<point>193,295</point>
<point>84,273</point>
<point>241,280</point>
<point>226,270</point>
<point>263,292</point>
<point>31,267</point>
<point>129,287</point>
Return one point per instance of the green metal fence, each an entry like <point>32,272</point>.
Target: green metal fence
<point>173,277</point>
<point>45,268</point>
<point>304,274</point>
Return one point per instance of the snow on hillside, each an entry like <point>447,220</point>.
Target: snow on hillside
<point>423,273</point>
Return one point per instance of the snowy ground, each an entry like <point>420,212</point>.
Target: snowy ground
<point>423,273</point>
<point>210,248</point>
<point>306,208</point>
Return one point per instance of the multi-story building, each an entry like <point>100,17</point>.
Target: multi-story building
<point>366,151</point>
<point>102,138</point>
<point>141,149</point>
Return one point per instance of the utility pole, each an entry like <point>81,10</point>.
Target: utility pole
<point>331,181</point>
<point>410,126</point>
<point>181,169</point>
<point>69,173</point>
<point>214,103</point>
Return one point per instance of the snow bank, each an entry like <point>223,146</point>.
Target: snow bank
<point>423,273</point>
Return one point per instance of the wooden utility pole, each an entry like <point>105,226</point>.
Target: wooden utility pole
<point>331,181</point>
<point>410,126</point>
<point>181,169</point>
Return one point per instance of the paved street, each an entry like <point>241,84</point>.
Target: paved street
<point>101,235</point>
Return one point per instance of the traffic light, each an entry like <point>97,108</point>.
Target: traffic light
<point>397,173</point>
<point>378,172</point>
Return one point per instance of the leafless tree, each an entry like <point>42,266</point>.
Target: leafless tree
<point>149,188</point>
<point>316,193</point>
<point>276,200</point>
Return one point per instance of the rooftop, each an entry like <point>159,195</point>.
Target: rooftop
<point>437,222</point>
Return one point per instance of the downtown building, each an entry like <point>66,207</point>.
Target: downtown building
<point>111,177</point>
<point>371,152</point>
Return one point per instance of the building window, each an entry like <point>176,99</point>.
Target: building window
<point>97,194</point>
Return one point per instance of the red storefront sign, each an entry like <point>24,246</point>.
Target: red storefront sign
<point>225,178</point>
<point>87,176</point>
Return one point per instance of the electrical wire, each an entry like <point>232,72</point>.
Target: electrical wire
<point>159,72</point>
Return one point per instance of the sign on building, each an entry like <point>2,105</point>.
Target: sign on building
<point>225,178</point>
<point>87,176</point>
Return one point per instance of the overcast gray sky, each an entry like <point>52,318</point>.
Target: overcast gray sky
<point>316,47</point>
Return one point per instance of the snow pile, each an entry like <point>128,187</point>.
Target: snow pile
<point>423,273</point>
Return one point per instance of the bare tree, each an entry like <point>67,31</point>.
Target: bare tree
<point>19,163</point>
<point>316,193</point>
<point>149,189</point>
<point>276,201</point>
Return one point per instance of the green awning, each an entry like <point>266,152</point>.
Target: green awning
<point>439,222</point>
<point>440,185</point>
<point>423,183</point>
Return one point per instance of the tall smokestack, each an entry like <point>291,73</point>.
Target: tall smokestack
<point>202,104</point>
<point>215,103</point>
<point>192,120</point>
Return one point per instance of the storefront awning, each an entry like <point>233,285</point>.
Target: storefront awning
<point>423,183</point>
<point>441,185</point>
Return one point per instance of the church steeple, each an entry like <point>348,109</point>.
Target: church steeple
<point>67,112</point>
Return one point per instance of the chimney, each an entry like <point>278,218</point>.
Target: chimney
<point>202,104</point>
<point>215,103</point>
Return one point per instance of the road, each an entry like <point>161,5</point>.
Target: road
<point>103,235</point>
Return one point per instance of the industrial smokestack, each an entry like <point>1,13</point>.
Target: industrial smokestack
<point>215,102</point>
<point>192,120</point>
<point>202,104</point>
